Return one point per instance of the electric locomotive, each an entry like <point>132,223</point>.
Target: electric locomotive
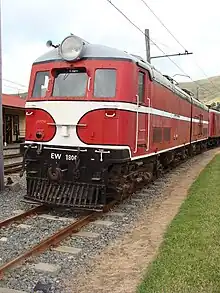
<point>100,121</point>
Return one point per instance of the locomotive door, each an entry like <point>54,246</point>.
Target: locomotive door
<point>140,116</point>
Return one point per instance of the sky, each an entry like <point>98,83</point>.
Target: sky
<point>28,24</point>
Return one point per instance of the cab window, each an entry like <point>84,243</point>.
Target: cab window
<point>105,83</point>
<point>141,85</point>
<point>41,84</point>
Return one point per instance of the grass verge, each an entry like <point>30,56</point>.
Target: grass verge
<point>189,258</point>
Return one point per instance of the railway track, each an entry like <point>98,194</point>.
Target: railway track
<point>12,156</point>
<point>12,168</point>
<point>55,238</point>
<point>51,241</point>
<point>12,160</point>
<point>21,216</point>
<point>61,237</point>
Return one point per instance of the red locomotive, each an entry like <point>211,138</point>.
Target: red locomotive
<point>99,121</point>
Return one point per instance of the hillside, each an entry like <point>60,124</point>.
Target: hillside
<point>209,89</point>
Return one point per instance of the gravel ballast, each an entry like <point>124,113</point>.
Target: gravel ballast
<point>26,276</point>
<point>11,201</point>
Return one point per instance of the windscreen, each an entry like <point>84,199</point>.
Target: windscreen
<point>70,83</point>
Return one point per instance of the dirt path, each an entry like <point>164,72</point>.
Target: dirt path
<point>119,268</point>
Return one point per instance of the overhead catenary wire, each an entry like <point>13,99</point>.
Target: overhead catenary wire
<point>208,78</point>
<point>168,30</point>
<point>140,30</point>
<point>143,1</point>
<point>8,80</point>
<point>13,87</point>
<point>158,42</point>
<point>164,45</point>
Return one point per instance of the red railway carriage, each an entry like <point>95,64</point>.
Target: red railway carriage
<point>214,123</point>
<point>99,121</point>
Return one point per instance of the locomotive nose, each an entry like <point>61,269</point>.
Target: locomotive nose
<point>40,126</point>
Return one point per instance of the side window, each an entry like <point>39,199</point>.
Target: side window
<point>41,84</point>
<point>141,85</point>
<point>105,83</point>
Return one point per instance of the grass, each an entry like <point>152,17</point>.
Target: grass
<point>189,258</point>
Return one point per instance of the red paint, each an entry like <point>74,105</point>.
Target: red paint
<point>125,79</point>
<point>38,121</point>
<point>107,126</point>
<point>214,124</point>
<point>118,127</point>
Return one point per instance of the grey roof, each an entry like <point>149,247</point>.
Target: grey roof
<point>90,51</point>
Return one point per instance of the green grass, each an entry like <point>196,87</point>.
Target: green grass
<point>189,258</point>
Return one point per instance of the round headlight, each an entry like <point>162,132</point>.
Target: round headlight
<point>70,48</point>
<point>39,135</point>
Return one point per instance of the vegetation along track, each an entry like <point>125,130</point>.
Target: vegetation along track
<point>53,240</point>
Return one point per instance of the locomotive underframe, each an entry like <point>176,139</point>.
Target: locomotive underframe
<point>85,179</point>
<point>71,177</point>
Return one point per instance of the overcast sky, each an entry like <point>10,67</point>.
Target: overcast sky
<point>28,24</point>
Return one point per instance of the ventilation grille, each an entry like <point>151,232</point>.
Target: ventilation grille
<point>157,134</point>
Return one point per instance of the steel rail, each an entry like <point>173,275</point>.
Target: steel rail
<point>12,165</point>
<point>12,156</point>
<point>52,240</point>
<point>22,216</point>
<point>12,169</point>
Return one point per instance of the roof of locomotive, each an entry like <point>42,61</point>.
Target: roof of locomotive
<point>91,51</point>
<point>214,111</point>
<point>96,51</point>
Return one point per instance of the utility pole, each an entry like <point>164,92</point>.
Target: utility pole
<point>147,42</point>
<point>1,111</point>
<point>147,45</point>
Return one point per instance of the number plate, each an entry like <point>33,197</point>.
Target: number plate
<point>66,157</point>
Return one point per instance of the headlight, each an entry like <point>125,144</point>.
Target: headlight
<point>70,48</point>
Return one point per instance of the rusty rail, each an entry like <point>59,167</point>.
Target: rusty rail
<point>21,216</point>
<point>12,168</point>
<point>52,240</point>
<point>12,156</point>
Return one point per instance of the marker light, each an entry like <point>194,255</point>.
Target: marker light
<point>71,48</point>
